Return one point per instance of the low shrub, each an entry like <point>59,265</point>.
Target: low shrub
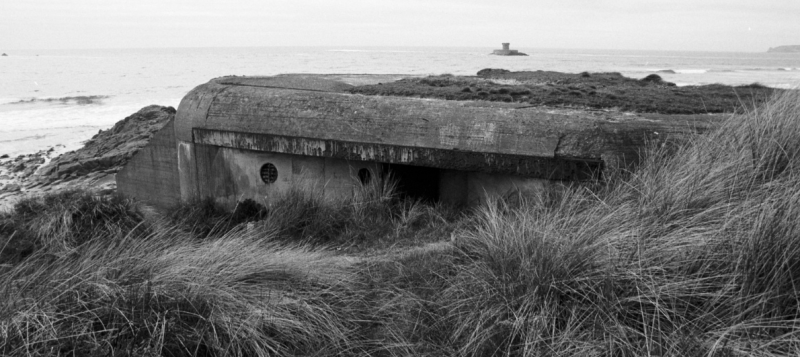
<point>206,218</point>
<point>62,221</point>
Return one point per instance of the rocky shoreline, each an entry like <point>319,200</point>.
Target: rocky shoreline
<point>92,167</point>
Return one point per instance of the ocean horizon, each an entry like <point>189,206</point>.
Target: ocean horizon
<point>63,97</point>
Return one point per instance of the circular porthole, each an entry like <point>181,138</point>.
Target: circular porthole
<point>364,175</point>
<point>269,173</point>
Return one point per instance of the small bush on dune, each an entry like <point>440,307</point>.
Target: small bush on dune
<point>373,215</point>
<point>400,293</point>
<point>305,214</point>
<point>206,218</point>
<point>528,270</point>
<point>60,222</point>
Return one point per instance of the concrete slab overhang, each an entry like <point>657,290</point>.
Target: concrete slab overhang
<point>313,115</point>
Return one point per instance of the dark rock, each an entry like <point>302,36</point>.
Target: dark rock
<point>653,78</point>
<point>488,72</point>
<point>69,168</point>
<point>18,167</point>
<point>4,55</point>
<point>47,170</point>
<point>785,49</point>
<point>4,156</point>
<point>12,187</point>
<point>29,171</point>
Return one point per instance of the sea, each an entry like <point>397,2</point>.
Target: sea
<point>61,98</point>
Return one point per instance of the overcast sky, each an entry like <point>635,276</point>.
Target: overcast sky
<point>713,25</point>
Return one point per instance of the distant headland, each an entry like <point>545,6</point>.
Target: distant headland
<point>507,52</point>
<point>794,48</point>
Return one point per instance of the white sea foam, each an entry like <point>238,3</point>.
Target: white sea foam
<point>690,71</point>
<point>375,51</point>
<point>785,85</point>
<point>38,126</point>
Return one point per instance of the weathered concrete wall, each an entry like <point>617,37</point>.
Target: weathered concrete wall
<point>470,188</point>
<point>533,166</point>
<point>454,187</point>
<point>152,174</point>
<point>232,175</point>
<point>464,135</point>
<point>481,186</point>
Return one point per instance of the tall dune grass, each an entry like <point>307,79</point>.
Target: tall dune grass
<point>694,253</point>
<point>170,294</point>
<point>211,283</point>
<point>59,222</point>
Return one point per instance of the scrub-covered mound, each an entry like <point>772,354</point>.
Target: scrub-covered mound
<point>650,94</point>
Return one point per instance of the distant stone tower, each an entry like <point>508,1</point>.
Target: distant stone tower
<point>506,51</point>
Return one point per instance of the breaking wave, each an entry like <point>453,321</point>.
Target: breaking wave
<point>702,71</point>
<point>79,100</point>
<point>684,71</point>
<point>375,51</point>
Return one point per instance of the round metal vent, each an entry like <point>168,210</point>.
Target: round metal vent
<point>269,173</point>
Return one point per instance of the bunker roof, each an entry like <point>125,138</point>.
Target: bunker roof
<point>314,115</point>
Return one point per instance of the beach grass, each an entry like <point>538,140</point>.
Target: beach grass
<point>693,253</point>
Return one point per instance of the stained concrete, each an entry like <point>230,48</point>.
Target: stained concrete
<point>152,173</point>
<point>306,126</point>
<point>232,175</point>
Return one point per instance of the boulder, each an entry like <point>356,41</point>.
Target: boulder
<point>12,187</point>
<point>489,72</point>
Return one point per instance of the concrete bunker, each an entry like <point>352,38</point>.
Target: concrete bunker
<point>237,138</point>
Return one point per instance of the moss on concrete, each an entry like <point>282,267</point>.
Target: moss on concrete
<point>650,94</point>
